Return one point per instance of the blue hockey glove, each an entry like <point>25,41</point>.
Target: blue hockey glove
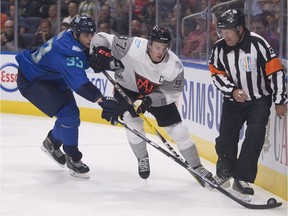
<point>145,104</point>
<point>110,110</point>
<point>100,59</point>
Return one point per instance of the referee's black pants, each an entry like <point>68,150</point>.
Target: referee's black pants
<point>256,114</point>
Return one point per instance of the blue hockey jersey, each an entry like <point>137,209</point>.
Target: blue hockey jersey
<point>61,59</point>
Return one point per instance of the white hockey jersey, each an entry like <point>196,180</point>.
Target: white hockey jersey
<point>163,81</point>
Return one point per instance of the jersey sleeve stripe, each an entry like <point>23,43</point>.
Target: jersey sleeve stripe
<point>272,66</point>
<point>215,71</point>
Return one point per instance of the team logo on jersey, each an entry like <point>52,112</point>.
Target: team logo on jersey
<point>137,43</point>
<point>144,85</point>
<point>247,63</point>
<point>76,48</point>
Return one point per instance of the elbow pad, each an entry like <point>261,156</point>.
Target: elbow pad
<point>89,92</point>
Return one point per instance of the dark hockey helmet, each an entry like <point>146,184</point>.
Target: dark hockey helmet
<point>232,18</point>
<point>83,24</point>
<point>160,34</point>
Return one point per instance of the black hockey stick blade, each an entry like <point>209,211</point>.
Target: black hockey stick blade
<point>208,181</point>
<point>248,205</point>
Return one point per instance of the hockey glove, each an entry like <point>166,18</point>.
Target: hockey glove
<point>100,59</point>
<point>116,66</point>
<point>144,104</point>
<point>110,110</point>
<point>132,111</point>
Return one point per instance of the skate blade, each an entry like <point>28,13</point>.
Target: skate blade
<point>49,155</point>
<point>79,175</point>
<point>244,197</point>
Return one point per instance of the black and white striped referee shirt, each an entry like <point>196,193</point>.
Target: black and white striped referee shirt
<point>251,66</point>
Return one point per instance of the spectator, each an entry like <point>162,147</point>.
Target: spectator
<point>136,28</point>
<point>123,23</point>
<point>139,6</point>
<point>72,11</point>
<point>172,27</point>
<point>166,10</point>
<point>265,5</point>
<point>276,17</point>
<point>116,7</point>
<point>189,6</point>
<point>144,30</point>
<point>195,44</point>
<point>45,7</point>
<point>64,26</point>
<point>43,34</point>
<point>87,8</point>
<point>254,8</point>
<point>173,20</point>
<point>7,38</point>
<point>52,12</point>
<point>105,16</point>
<point>104,26</point>
<point>149,15</point>
<point>22,24</point>
<point>29,8</point>
<point>3,20</point>
<point>260,25</point>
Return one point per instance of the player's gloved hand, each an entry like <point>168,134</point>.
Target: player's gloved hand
<point>132,111</point>
<point>100,59</point>
<point>110,110</point>
<point>143,104</point>
<point>116,66</point>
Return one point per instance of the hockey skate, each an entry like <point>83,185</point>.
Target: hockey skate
<point>77,169</point>
<point>143,167</point>
<point>224,166</point>
<point>243,190</point>
<point>222,181</point>
<point>56,154</point>
<point>204,173</point>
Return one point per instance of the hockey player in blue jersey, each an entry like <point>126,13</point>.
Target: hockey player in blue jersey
<point>47,75</point>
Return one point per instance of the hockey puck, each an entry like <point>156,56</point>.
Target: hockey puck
<point>271,201</point>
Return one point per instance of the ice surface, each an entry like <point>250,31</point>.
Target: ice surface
<point>33,185</point>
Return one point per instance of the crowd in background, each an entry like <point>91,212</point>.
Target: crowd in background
<point>192,22</point>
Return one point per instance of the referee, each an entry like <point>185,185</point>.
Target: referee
<point>246,70</point>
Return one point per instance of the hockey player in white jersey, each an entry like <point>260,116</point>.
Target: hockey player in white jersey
<point>153,75</point>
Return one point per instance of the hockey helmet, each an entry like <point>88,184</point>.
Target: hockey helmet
<point>83,24</point>
<point>160,34</point>
<point>232,18</point>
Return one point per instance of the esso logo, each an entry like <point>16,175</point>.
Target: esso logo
<point>8,77</point>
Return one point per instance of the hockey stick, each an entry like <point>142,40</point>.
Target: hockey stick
<point>269,205</point>
<point>128,100</point>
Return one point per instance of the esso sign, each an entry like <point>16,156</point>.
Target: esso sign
<point>8,77</point>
